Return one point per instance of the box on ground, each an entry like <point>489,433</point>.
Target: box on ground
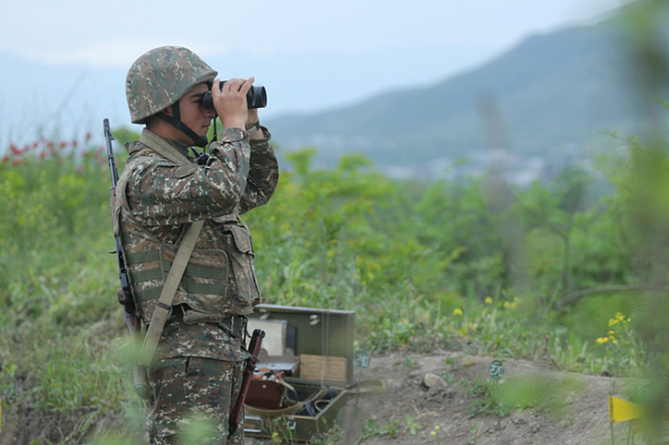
<point>303,371</point>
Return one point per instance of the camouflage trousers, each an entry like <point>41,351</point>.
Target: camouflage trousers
<point>191,401</point>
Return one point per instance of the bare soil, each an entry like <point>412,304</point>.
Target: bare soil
<point>403,398</point>
<point>562,408</point>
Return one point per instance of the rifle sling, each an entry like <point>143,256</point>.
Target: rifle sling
<point>162,147</point>
<point>164,305</point>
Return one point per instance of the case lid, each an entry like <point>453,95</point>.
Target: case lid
<point>321,338</point>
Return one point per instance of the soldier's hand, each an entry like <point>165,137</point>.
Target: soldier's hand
<point>252,117</point>
<point>230,101</point>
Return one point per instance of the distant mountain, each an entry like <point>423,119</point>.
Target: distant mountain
<point>57,101</point>
<point>556,90</point>
<point>553,96</point>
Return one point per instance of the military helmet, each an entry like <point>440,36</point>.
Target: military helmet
<point>160,77</point>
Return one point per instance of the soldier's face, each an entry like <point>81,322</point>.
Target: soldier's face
<point>193,114</point>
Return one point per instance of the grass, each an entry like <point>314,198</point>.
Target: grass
<point>422,265</point>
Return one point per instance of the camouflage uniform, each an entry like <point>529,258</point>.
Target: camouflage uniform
<point>199,358</point>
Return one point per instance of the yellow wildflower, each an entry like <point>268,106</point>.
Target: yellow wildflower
<point>457,312</point>
<point>601,340</point>
<point>619,318</point>
<point>488,300</point>
<point>511,304</point>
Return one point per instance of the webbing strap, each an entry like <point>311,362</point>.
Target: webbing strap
<point>190,286</point>
<point>144,256</point>
<point>156,273</point>
<point>162,147</point>
<point>164,305</point>
<point>211,273</point>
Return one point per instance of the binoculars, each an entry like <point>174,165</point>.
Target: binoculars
<point>255,98</point>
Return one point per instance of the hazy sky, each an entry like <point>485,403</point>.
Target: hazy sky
<point>115,32</point>
<point>312,54</point>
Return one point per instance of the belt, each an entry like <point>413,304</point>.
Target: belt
<point>234,325</point>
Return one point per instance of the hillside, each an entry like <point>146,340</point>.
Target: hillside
<point>549,92</point>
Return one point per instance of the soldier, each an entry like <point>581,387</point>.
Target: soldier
<point>162,193</point>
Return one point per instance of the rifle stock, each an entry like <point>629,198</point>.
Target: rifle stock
<point>124,294</point>
<point>254,350</point>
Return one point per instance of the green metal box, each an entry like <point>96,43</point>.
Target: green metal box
<point>316,347</point>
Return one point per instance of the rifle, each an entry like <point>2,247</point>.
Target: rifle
<point>254,350</point>
<point>124,294</point>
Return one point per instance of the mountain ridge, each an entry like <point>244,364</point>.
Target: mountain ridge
<point>552,90</point>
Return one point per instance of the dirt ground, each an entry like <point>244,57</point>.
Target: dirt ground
<point>559,408</point>
<point>403,398</point>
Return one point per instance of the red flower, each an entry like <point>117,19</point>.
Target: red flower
<point>5,158</point>
<point>62,144</point>
<point>16,150</point>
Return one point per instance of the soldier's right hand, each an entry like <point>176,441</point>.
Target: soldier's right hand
<point>230,101</point>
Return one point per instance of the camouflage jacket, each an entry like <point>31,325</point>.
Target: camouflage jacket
<point>157,198</point>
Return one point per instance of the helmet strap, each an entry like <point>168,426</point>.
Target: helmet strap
<point>175,121</point>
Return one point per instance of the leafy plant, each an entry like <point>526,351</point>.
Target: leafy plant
<point>412,426</point>
<point>374,428</point>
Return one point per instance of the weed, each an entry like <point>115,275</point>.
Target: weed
<point>282,430</point>
<point>484,395</point>
<point>435,433</point>
<point>448,377</point>
<point>331,437</point>
<point>623,349</point>
<point>409,363</point>
<point>374,428</point>
<point>473,433</point>
<point>412,426</point>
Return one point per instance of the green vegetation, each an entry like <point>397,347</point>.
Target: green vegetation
<point>544,273</point>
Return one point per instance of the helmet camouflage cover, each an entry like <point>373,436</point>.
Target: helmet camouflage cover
<point>160,77</point>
